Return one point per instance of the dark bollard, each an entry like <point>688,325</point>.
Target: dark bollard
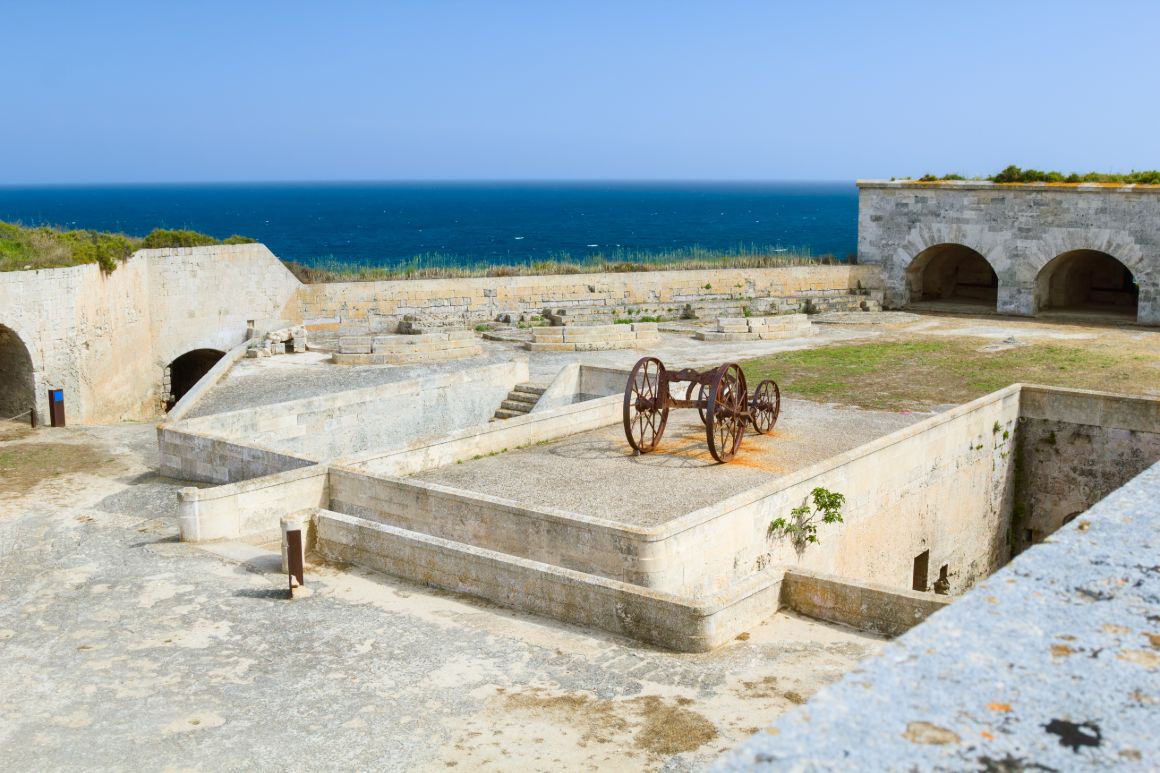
<point>56,407</point>
<point>294,558</point>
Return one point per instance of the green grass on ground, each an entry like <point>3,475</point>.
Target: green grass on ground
<point>918,375</point>
<point>39,247</point>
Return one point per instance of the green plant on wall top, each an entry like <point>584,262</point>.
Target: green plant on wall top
<point>802,524</point>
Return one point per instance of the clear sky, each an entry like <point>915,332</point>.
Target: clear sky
<point>547,89</point>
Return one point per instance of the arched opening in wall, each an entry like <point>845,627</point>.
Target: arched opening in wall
<point>1087,281</point>
<point>17,388</point>
<point>185,371</point>
<point>952,272</point>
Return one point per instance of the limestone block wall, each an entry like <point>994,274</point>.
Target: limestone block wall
<point>591,338</point>
<point>388,416</point>
<point>1074,449</point>
<point>203,297</point>
<point>105,338</point>
<point>1017,228</point>
<point>377,307</point>
<point>87,333</point>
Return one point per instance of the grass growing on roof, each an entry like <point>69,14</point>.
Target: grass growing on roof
<point>37,247</point>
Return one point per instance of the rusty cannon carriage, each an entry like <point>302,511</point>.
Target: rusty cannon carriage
<point>721,399</point>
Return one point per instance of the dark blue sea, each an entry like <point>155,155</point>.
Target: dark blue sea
<point>387,223</point>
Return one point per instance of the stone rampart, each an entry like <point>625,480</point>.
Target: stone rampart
<point>106,338</point>
<point>1018,229</point>
<point>379,307</point>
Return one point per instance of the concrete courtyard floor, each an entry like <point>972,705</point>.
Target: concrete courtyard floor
<point>597,474</point>
<point>124,648</point>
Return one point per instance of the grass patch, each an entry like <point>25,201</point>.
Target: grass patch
<point>23,248</point>
<point>442,266</point>
<point>919,375</point>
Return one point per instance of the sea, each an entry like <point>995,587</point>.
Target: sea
<point>465,223</point>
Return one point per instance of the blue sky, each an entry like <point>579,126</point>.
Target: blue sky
<point>216,91</point>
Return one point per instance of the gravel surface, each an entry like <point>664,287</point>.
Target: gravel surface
<point>596,474</point>
<point>125,649</point>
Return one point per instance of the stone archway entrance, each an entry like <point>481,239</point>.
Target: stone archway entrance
<point>17,387</point>
<point>952,272</point>
<point>185,371</point>
<point>1089,281</point>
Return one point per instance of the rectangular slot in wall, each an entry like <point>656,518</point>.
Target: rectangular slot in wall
<point>921,566</point>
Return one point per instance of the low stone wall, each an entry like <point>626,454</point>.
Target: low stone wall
<point>888,611</point>
<point>406,349</point>
<point>664,619</point>
<point>489,438</point>
<point>191,455</point>
<point>379,307</point>
<point>757,328</point>
<point>250,509</point>
<point>592,338</point>
<point>228,447</point>
<point>576,382</point>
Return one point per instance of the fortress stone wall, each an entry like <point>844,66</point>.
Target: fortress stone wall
<point>1042,241</point>
<point>379,306</point>
<point>106,338</point>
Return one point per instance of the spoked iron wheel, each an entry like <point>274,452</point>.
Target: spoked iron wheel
<point>646,406</point>
<point>701,395</point>
<point>726,409</point>
<point>765,407</point>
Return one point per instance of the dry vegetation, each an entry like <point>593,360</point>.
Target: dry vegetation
<point>26,248</point>
<point>439,266</point>
<point>923,374</point>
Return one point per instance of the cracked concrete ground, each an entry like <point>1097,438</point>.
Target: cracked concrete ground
<point>124,648</point>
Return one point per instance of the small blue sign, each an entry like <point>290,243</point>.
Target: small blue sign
<point>57,395</point>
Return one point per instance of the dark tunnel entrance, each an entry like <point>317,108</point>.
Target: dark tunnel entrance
<point>187,370</point>
<point>1087,280</point>
<point>952,272</point>
<point>17,387</point>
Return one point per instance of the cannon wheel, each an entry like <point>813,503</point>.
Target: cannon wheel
<point>700,396</point>
<point>726,409</point>
<point>646,410</point>
<point>766,406</point>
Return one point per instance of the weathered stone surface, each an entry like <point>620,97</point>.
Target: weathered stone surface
<point>1018,229</point>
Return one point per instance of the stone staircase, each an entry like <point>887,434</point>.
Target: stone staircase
<point>520,400</point>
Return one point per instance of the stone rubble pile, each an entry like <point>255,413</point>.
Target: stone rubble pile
<point>282,341</point>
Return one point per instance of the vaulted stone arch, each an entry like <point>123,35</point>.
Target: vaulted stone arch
<point>17,376</point>
<point>943,249</point>
<point>952,272</point>
<point>1090,280</point>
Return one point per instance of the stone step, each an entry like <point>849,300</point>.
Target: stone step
<point>516,406</point>
<point>504,413</point>
<point>660,618</point>
<point>525,398</point>
<point>530,389</point>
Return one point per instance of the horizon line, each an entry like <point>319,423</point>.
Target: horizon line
<point>436,181</point>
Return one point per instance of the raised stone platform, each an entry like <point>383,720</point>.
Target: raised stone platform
<point>758,328</point>
<point>406,349</point>
<point>593,337</point>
